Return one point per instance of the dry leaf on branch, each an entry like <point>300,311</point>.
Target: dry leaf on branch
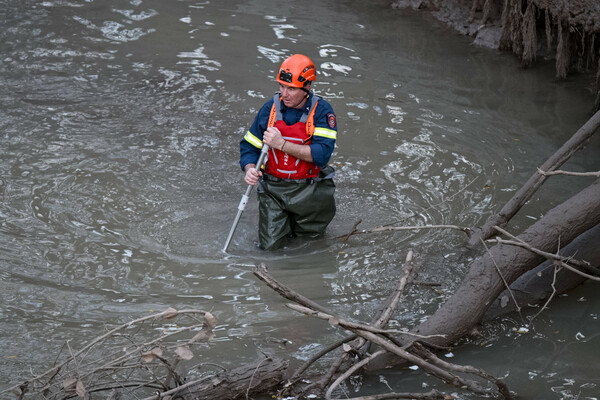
<point>184,353</point>
<point>209,320</point>
<point>80,389</point>
<point>149,356</point>
<point>169,313</point>
<point>69,384</point>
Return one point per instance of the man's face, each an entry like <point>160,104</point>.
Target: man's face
<point>293,97</point>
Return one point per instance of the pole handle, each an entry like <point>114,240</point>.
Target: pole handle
<point>245,197</point>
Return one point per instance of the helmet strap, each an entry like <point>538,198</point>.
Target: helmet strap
<point>305,89</point>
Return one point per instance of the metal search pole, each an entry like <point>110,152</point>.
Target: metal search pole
<point>245,198</point>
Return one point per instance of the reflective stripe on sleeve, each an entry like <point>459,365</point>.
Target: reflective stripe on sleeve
<point>253,140</point>
<point>324,132</point>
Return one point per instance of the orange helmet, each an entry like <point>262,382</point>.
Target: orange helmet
<point>297,71</point>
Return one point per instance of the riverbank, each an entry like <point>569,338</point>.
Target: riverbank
<point>567,31</point>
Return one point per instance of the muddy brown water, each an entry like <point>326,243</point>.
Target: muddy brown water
<point>119,179</point>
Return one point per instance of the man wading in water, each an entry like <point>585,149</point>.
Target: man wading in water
<point>296,188</point>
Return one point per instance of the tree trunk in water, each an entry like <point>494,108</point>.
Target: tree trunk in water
<point>239,383</point>
<point>535,286</point>
<point>536,180</point>
<point>483,284</point>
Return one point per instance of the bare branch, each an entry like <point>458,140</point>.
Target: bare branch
<point>556,269</point>
<point>550,256</point>
<point>407,228</point>
<point>336,321</point>
<point>351,371</point>
<point>560,172</point>
<point>504,281</point>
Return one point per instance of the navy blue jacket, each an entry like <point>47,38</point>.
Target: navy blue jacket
<point>323,140</point>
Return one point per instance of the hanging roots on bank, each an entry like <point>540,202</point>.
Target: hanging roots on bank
<point>563,29</point>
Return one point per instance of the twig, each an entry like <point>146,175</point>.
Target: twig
<point>556,269</point>
<point>352,231</point>
<point>394,298</point>
<point>503,280</point>
<point>252,377</point>
<point>431,395</point>
<point>570,268</point>
<point>261,272</point>
<point>551,256</point>
<point>408,228</point>
<point>502,388</point>
<point>560,172</point>
<point>351,371</point>
<point>320,354</point>
<point>336,321</point>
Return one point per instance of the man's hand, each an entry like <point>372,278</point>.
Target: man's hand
<point>272,137</point>
<point>252,174</point>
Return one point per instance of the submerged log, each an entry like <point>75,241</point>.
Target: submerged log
<point>485,279</point>
<point>536,180</point>
<point>502,265</point>
<point>539,284</point>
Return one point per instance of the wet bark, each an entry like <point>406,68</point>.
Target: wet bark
<point>536,180</point>
<point>486,278</point>
<point>239,383</point>
<point>484,282</point>
<point>539,284</point>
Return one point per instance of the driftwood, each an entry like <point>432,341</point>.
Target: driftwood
<point>239,383</point>
<point>123,364</point>
<point>541,283</point>
<point>483,284</point>
<point>536,180</point>
<point>377,335</point>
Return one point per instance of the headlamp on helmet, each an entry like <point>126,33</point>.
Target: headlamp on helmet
<point>297,71</point>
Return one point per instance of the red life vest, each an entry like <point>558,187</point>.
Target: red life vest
<point>281,164</point>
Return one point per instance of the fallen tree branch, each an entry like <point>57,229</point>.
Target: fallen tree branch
<point>261,272</point>
<point>550,256</point>
<point>349,325</point>
<point>523,195</point>
<point>360,345</point>
<point>350,371</point>
<point>406,228</point>
<point>432,369</point>
<point>320,354</point>
<point>468,369</point>
<point>437,369</point>
<point>230,384</point>
<point>560,172</point>
<point>431,395</point>
<point>70,374</point>
<point>506,285</point>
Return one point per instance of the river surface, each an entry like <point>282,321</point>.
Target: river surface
<point>120,123</point>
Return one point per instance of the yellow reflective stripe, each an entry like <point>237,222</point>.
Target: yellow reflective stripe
<point>253,140</point>
<point>324,132</point>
